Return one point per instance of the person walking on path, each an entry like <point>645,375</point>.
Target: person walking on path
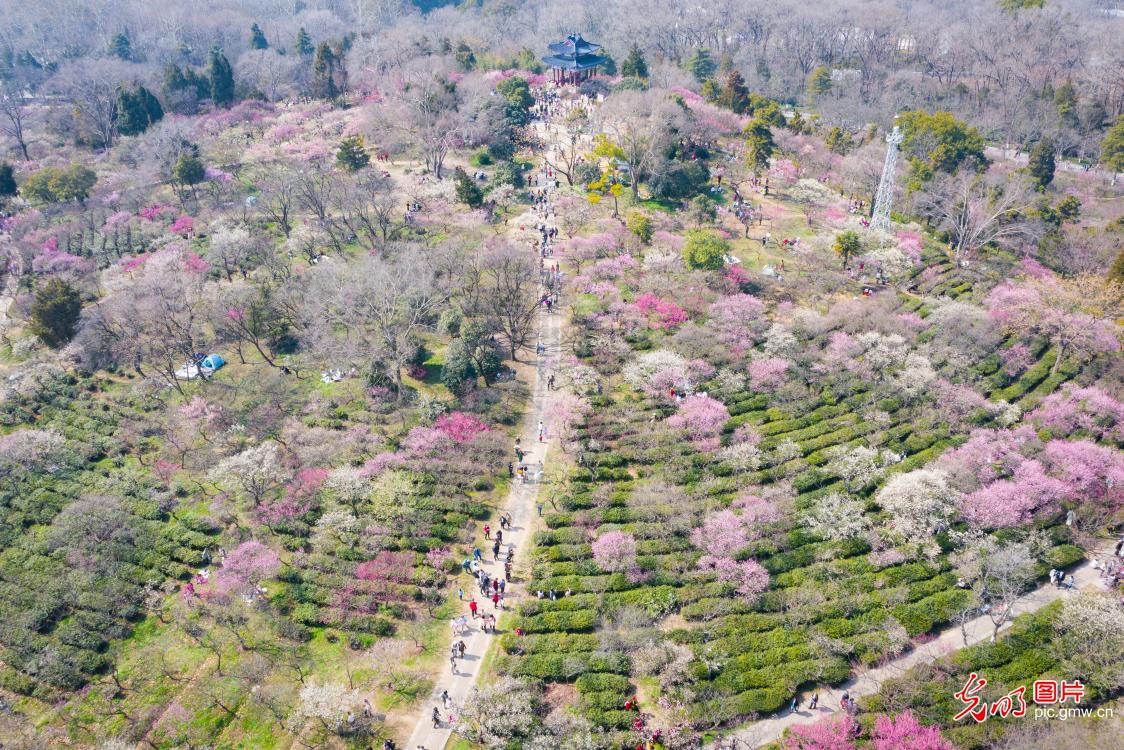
<point>542,431</point>
<point>436,718</point>
<point>472,607</point>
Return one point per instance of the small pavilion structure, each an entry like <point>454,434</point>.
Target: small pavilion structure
<point>573,60</point>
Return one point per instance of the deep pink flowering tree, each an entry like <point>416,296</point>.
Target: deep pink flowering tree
<point>903,732</point>
<point>702,417</point>
<point>661,313</point>
<point>182,226</point>
<point>615,551</point>
<point>833,733</point>
<point>459,426</point>
<point>1092,473</point>
<point>1015,501</point>
<point>1089,410</point>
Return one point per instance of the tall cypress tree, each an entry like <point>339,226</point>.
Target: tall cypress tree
<point>257,38</point>
<point>324,73</point>
<point>120,46</point>
<point>303,44</point>
<point>137,109</point>
<point>221,77</point>
<point>1041,163</point>
<point>8,185</point>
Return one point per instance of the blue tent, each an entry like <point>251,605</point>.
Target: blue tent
<point>212,362</point>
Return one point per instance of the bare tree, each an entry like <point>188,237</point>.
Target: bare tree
<point>502,288</point>
<point>14,115</point>
<point>978,211</point>
<point>638,123</point>
<point>999,576</point>
<point>373,312</point>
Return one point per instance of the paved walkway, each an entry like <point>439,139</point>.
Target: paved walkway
<point>520,504</point>
<point>762,732</point>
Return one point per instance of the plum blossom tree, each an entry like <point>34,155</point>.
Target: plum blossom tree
<point>999,576</point>
<point>565,412</point>
<point>1090,411</point>
<point>836,516</point>
<point>615,551</point>
<point>722,534</point>
<point>702,417</point>
<point>920,504</point>
<point>254,472</point>
<point>460,427</point>
<point>324,710</point>
<point>497,715</point>
<point>656,372</point>
<point>1077,315</point>
<point>246,566</point>
<point>903,732</point>
<point>860,465</point>
<point>1091,626</point>
<point>1093,474</point>
<point>767,373</point>
<point>1014,501</point>
<point>833,733</point>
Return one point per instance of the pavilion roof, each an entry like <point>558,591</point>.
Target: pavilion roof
<point>572,46</point>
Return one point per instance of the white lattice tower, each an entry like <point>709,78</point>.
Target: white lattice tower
<point>885,197</point>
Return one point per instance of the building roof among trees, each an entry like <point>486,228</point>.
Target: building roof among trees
<point>574,53</point>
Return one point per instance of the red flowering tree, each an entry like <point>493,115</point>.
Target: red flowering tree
<point>459,426</point>
<point>903,732</point>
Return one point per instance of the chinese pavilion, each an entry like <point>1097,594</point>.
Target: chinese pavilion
<point>573,59</point>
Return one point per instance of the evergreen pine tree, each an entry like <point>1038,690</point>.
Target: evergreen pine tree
<point>8,185</point>
<point>120,46</point>
<point>634,65</point>
<point>303,45</point>
<point>324,73</point>
<point>55,312</point>
<point>759,146</point>
<point>221,77</point>
<point>352,153</point>
<point>701,64</point>
<point>820,82</point>
<point>1041,165</point>
<point>257,38</point>
<point>468,192</point>
<point>137,110</point>
<point>1112,147</point>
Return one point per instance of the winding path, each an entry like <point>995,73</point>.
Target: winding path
<point>758,733</point>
